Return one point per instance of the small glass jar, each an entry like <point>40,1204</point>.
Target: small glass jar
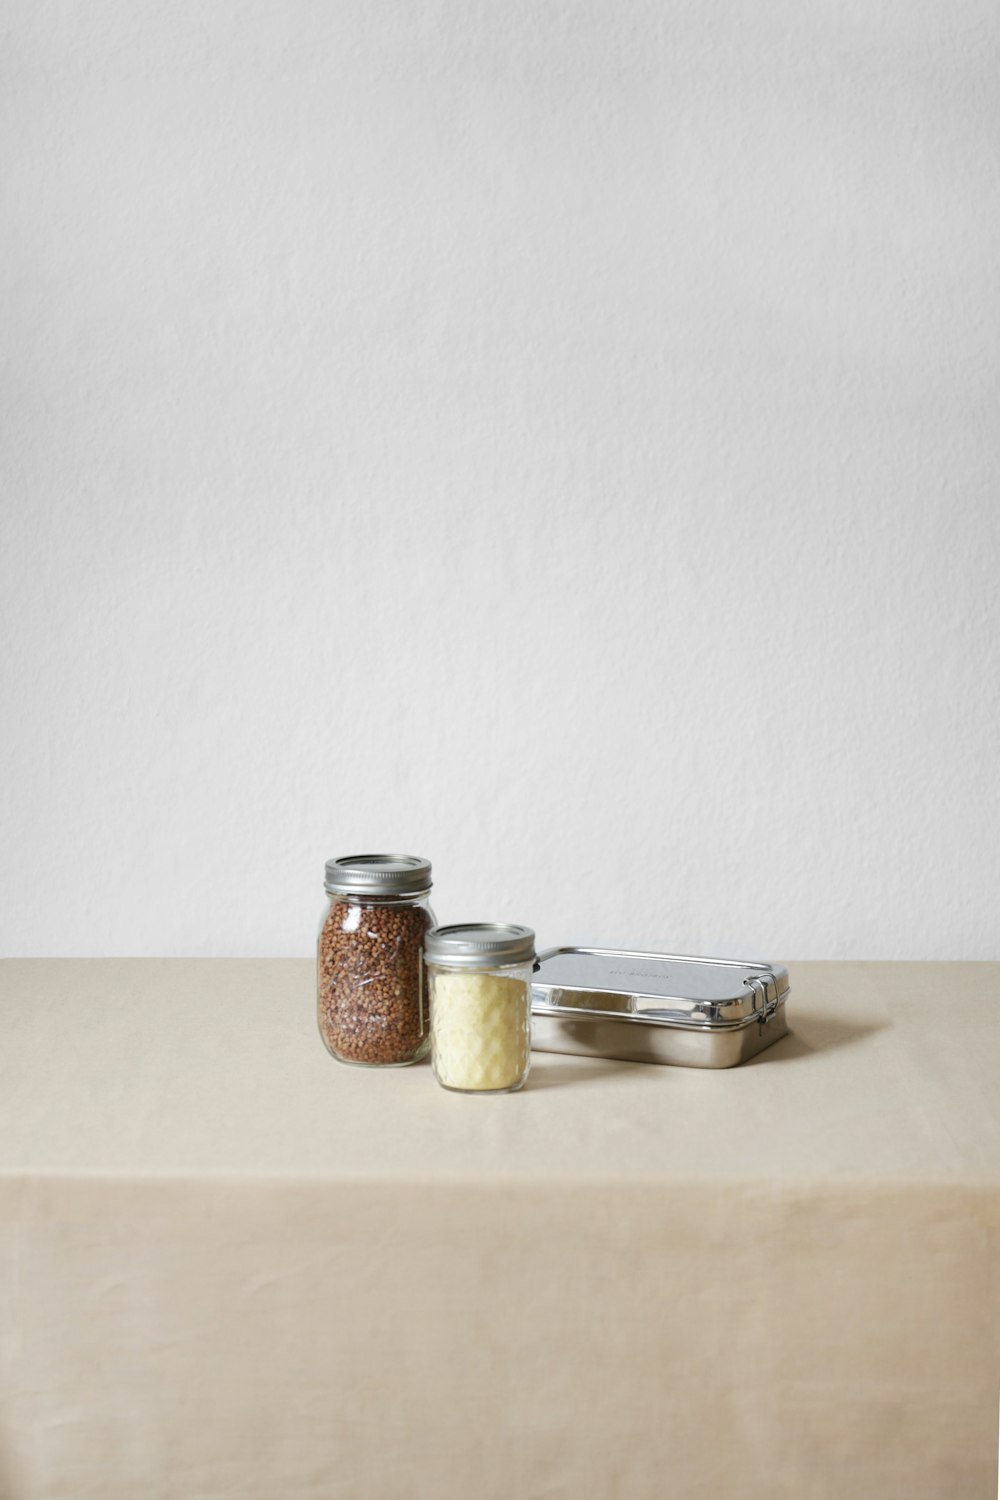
<point>371,1002</point>
<point>479,981</point>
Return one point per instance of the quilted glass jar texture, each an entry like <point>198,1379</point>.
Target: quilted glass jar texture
<point>479,985</point>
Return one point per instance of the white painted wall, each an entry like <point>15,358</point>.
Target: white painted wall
<point>559,439</point>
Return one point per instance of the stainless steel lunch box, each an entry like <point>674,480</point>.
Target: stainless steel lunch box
<point>656,1007</point>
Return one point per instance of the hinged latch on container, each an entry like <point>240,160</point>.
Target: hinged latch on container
<point>763,1008</point>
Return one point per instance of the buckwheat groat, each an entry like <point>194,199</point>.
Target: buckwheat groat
<point>372,1007</point>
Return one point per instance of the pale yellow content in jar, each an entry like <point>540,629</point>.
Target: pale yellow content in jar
<point>479,1030</point>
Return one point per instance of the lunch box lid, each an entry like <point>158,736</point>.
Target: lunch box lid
<point>657,989</point>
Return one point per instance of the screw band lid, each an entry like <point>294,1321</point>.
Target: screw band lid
<point>378,875</point>
<point>480,945</point>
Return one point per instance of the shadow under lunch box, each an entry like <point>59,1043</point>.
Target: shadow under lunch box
<point>656,1007</point>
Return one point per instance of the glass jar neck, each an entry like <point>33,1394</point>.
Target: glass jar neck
<point>377,898</point>
<point>514,970</point>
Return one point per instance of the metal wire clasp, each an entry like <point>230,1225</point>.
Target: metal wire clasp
<point>766,1008</point>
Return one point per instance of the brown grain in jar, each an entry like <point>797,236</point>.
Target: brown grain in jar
<point>372,1006</point>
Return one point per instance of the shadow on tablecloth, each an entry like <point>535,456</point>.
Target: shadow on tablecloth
<point>816,1034</point>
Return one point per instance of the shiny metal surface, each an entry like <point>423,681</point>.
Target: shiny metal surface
<point>480,945</point>
<point>378,875</point>
<point>656,1007</point>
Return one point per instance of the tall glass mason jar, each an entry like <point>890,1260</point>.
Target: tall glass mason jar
<point>479,980</point>
<point>371,1002</point>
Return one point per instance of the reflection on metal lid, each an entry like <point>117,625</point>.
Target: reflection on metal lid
<point>657,988</point>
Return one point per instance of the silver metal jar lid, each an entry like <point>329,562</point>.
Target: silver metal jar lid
<point>480,945</point>
<point>378,875</point>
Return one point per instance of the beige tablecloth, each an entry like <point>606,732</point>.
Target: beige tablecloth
<point>231,1268</point>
